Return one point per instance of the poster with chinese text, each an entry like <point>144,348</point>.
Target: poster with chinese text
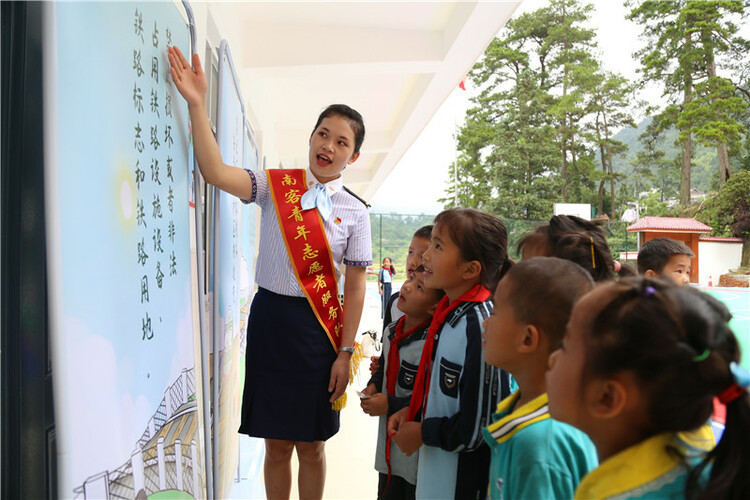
<point>117,181</point>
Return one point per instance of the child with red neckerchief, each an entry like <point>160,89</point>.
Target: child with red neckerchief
<point>455,391</point>
<point>385,283</point>
<point>390,388</point>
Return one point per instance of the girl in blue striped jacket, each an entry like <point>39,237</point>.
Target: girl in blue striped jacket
<point>455,391</point>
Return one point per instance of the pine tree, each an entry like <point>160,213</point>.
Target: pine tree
<point>527,142</point>
<point>683,40</point>
<point>611,98</point>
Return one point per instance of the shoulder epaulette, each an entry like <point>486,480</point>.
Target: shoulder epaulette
<point>356,196</point>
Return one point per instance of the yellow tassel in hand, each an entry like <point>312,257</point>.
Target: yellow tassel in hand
<point>356,360</point>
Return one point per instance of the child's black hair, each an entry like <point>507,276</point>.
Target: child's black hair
<point>480,236</point>
<point>655,254</point>
<point>579,240</point>
<point>423,232</point>
<point>677,343</point>
<point>355,121</point>
<point>543,291</point>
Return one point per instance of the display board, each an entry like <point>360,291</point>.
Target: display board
<point>249,480</point>
<point>227,382</point>
<point>122,324</point>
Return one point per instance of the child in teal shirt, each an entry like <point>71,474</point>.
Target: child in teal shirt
<point>640,365</point>
<point>533,456</point>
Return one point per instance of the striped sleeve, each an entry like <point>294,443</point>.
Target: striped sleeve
<point>359,245</point>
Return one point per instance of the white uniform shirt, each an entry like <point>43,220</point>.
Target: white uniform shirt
<point>347,229</point>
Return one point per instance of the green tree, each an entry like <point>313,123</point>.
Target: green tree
<point>611,98</point>
<point>507,148</point>
<point>668,58</point>
<point>527,142</point>
<point>717,107</point>
<point>574,68</point>
<point>652,168</point>
<point>684,38</point>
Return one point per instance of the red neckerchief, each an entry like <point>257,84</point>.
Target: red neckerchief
<point>393,357</point>
<point>422,385</point>
<point>394,363</point>
<point>389,271</point>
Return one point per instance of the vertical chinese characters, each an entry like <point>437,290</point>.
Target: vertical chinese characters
<point>153,168</point>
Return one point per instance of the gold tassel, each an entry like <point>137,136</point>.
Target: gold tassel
<point>339,404</point>
<point>356,360</point>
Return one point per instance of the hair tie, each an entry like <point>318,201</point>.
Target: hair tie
<point>741,376</point>
<point>593,260</point>
<point>737,389</point>
<point>700,357</point>
<point>649,291</point>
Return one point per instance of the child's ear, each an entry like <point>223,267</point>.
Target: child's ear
<point>530,338</point>
<point>472,270</point>
<point>608,398</point>
<point>352,159</point>
<point>431,310</point>
<point>650,274</point>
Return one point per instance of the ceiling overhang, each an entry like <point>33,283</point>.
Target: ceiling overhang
<point>395,62</point>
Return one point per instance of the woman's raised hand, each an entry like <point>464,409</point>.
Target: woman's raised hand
<point>191,83</point>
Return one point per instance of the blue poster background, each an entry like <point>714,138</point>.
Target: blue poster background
<point>123,325</point>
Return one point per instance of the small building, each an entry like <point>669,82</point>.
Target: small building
<point>718,255</point>
<point>686,230</point>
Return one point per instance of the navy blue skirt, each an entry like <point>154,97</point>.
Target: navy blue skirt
<point>287,370</point>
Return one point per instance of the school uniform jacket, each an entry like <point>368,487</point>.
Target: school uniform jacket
<point>409,351</point>
<point>464,392</point>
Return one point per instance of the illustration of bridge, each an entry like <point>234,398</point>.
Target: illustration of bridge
<point>166,456</point>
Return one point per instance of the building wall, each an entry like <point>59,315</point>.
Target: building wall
<point>716,258</point>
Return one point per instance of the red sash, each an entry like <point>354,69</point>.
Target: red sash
<point>308,249</point>
<point>422,384</point>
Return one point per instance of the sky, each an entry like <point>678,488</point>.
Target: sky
<point>417,189</point>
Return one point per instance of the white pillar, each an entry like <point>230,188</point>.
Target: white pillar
<point>162,464</point>
<point>178,463</point>
<point>137,462</point>
<point>194,465</point>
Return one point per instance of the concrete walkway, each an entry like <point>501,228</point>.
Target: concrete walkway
<point>350,453</point>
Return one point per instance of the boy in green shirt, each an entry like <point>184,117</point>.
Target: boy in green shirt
<point>533,456</point>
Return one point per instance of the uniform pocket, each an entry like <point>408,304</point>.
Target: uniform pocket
<point>407,374</point>
<point>449,373</point>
